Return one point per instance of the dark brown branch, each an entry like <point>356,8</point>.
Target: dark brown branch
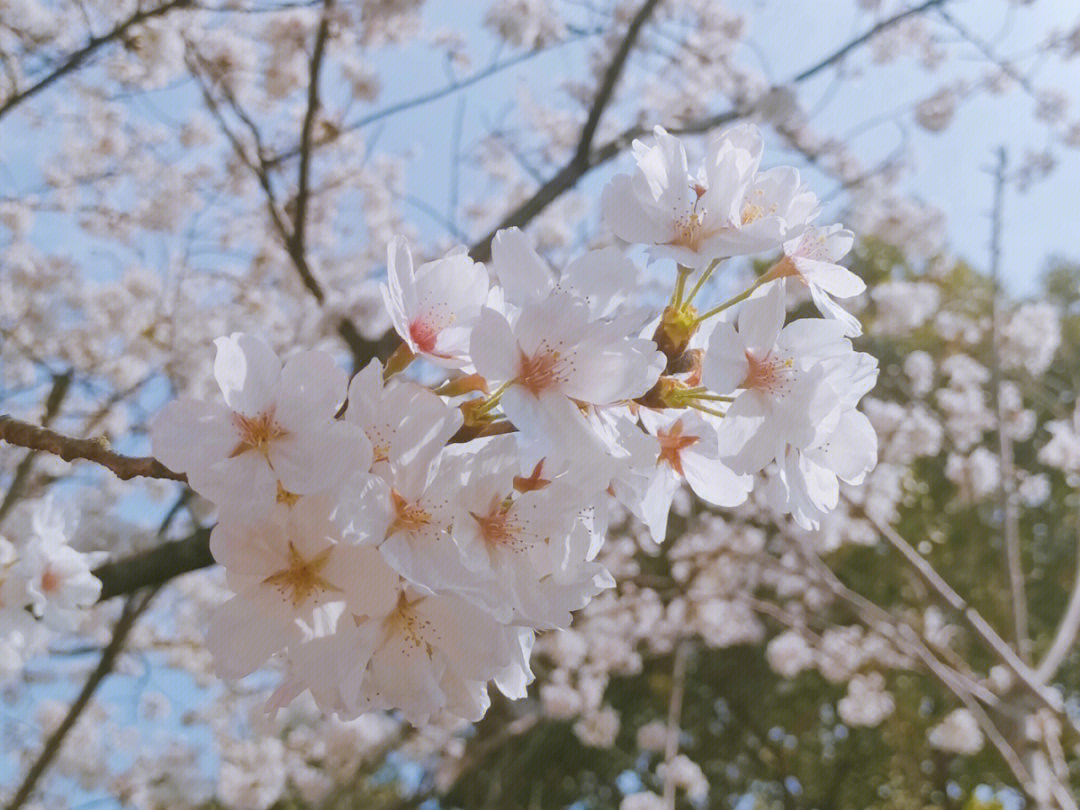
<point>75,60</point>
<point>304,178</point>
<point>133,608</point>
<point>155,566</point>
<point>611,79</point>
<point>23,434</point>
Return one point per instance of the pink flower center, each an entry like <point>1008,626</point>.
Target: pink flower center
<point>498,527</point>
<point>424,335</point>
<point>541,371</point>
<point>672,443</point>
<point>769,374</point>
<point>50,581</point>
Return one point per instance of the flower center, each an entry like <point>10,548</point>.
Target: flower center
<point>424,335</point>
<point>672,443</point>
<point>286,497</point>
<point>256,432</point>
<point>409,517</point>
<point>409,626</point>
<point>302,579</point>
<point>769,374</point>
<point>50,581</point>
<point>499,528</point>
<point>541,371</point>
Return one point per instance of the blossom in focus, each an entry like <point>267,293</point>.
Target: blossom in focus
<point>291,575</point>
<point>556,356</point>
<point>434,305</point>
<point>688,451</point>
<point>780,397</point>
<point>727,208</point>
<point>811,258</point>
<point>276,430</point>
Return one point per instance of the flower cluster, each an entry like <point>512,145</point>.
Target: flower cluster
<point>400,544</point>
<point>45,585</point>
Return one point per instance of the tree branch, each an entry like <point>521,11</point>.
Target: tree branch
<point>23,434</point>
<point>133,608</point>
<point>982,629</point>
<point>61,383</point>
<point>611,79</point>
<point>94,44</point>
<point>155,566</point>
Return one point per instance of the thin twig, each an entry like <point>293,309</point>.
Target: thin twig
<point>75,60</point>
<point>1010,523</point>
<point>133,608</point>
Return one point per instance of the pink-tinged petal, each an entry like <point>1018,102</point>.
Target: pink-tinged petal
<point>621,370</point>
<point>402,673</point>
<point>317,459</point>
<point>187,434</point>
<point>832,278</point>
<point>514,680</point>
<point>725,366</point>
<point>475,646</point>
<point>465,699</point>
<point>247,630</point>
<point>761,319</point>
<point>851,449</point>
<point>813,339</point>
<point>713,481</point>
<point>627,218</point>
<point>493,348</point>
<point>368,585</point>
<point>400,274</point>
<point>552,416</point>
<point>524,276</point>
<point>312,390</point>
<point>248,373</point>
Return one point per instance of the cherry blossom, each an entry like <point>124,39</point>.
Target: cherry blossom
<point>276,430</point>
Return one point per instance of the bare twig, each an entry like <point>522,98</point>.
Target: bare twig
<point>1010,522</point>
<point>75,60</point>
<point>1065,635</point>
<point>983,630</point>
<point>24,434</point>
<point>134,607</point>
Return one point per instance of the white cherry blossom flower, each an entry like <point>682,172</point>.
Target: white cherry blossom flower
<point>290,574</point>
<point>812,259</point>
<point>553,358</point>
<point>434,306</point>
<point>276,430</point>
<point>782,399</point>
<point>688,451</point>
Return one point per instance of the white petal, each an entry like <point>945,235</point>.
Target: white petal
<point>248,373</point>
<point>312,390</point>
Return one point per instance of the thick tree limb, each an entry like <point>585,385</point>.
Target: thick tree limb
<point>23,434</point>
<point>155,566</point>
